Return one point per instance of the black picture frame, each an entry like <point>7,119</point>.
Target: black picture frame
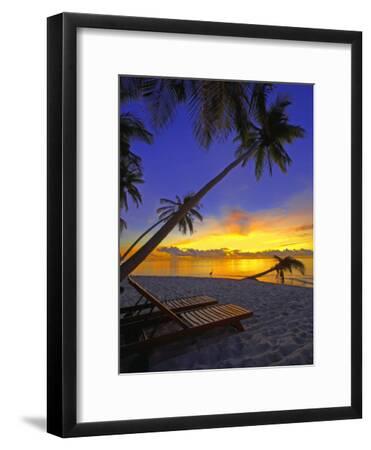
<point>61,242</point>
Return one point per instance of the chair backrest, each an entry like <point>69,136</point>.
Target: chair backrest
<point>155,301</point>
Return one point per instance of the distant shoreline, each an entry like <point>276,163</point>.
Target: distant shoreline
<point>232,278</point>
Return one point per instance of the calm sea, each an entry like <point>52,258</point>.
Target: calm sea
<point>188,266</point>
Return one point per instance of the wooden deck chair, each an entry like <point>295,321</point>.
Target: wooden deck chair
<point>149,310</point>
<point>188,322</point>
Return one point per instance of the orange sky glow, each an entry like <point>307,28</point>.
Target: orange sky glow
<point>276,229</point>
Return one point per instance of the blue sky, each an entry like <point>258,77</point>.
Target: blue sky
<point>176,164</point>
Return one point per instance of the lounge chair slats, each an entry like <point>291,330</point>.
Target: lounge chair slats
<point>200,318</point>
<point>210,316</point>
<point>214,314</point>
<point>182,301</point>
<point>175,305</point>
<point>191,321</point>
<point>218,315</point>
<point>236,309</point>
<point>202,314</point>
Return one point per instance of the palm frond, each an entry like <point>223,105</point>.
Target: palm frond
<point>164,208</point>
<point>259,161</point>
<point>133,128</point>
<point>296,264</point>
<point>173,207</point>
<point>165,201</point>
<point>271,134</point>
<point>162,96</point>
<point>123,224</point>
<point>195,213</point>
<point>258,100</point>
<point>183,226</point>
<point>165,215</point>
<point>131,173</point>
<point>289,264</point>
<point>131,88</point>
<point>217,108</point>
<point>189,222</point>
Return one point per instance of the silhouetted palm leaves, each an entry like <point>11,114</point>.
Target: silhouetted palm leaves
<point>129,180</point>
<point>287,264</point>
<point>131,173</point>
<point>269,131</point>
<point>174,206</point>
<point>216,107</point>
<point>168,211</point>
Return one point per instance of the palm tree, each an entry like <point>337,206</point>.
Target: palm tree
<point>172,207</point>
<point>128,181</point>
<point>132,128</point>
<point>166,212</point>
<point>286,264</point>
<point>262,141</point>
<point>131,173</point>
<point>217,108</point>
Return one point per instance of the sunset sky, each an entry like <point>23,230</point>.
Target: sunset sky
<point>240,214</point>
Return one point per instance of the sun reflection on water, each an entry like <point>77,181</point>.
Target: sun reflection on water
<point>238,268</point>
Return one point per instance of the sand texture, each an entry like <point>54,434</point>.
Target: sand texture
<point>279,333</point>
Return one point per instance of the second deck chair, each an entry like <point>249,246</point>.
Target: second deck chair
<point>188,322</point>
<point>149,310</point>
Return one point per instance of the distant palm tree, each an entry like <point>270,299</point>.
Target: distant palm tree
<point>166,212</point>
<point>131,173</point>
<point>286,264</point>
<point>263,140</point>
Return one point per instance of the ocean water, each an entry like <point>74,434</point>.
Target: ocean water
<point>188,266</point>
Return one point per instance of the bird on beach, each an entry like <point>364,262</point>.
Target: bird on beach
<point>211,274</point>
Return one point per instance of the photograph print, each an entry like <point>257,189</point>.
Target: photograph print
<point>216,224</point>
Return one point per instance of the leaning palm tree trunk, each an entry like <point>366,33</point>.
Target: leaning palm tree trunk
<point>261,274</point>
<point>138,257</point>
<point>139,239</point>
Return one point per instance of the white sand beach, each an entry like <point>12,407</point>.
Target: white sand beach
<point>279,333</point>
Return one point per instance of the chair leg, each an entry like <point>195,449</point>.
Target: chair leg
<point>238,325</point>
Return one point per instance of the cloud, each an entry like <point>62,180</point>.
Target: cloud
<point>176,251</point>
<point>236,221</point>
<point>245,222</point>
<point>304,227</point>
<point>225,252</point>
<point>271,253</point>
<point>289,226</point>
